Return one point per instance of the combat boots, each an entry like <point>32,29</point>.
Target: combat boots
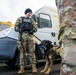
<point>34,69</point>
<point>21,70</point>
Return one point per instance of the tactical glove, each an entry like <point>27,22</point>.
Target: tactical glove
<point>20,30</point>
<point>31,31</point>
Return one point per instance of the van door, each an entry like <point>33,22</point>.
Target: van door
<point>45,27</point>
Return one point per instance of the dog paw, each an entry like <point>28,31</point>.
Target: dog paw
<point>42,71</point>
<point>46,73</point>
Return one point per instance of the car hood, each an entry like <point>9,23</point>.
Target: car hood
<point>9,32</point>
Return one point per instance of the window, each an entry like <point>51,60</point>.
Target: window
<point>44,20</point>
<point>3,26</point>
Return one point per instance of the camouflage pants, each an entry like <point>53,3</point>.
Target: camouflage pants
<point>67,18</point>
<point>65,67</point>
<point>68,66</point>
<point>28,43</point>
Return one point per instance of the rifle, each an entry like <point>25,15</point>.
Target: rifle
<point>21,40</point>
<point>37,38</point>
<point>27,59</point>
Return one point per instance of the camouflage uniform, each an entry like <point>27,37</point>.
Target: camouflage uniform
<point>67,17</point>
<point>28,42</point>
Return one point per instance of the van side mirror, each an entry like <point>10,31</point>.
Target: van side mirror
<point>34,17</point>
<point>53,34</point>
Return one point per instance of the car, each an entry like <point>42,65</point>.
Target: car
<point>9,52</point>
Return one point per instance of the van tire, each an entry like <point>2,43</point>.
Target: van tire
<point>11,62</point>
<point>17,60</point>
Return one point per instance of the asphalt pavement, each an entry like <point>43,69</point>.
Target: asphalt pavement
<point>12,70</point>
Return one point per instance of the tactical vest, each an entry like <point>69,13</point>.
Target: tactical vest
<point>26,24</point>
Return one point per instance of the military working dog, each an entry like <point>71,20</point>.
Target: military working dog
<point>49,54</point>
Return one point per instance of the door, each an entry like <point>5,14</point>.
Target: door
<point>45,27</point>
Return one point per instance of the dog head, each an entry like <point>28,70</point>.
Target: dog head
<point>47,44</point>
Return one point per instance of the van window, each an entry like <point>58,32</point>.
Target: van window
<point>44,20</point>
<point>3,26</point>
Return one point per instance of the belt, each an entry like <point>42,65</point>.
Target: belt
<point>25,32</point>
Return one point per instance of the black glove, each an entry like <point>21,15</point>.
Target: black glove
<point>20,30</point>
<point>31,31</point>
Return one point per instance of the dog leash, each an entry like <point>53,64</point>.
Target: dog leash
<point>37,38</point>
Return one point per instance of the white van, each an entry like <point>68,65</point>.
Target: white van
<point>48,24</point>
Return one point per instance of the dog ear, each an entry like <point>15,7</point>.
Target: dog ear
<point>44,42</point>
<point>50,45</point>
<point>50,42</point>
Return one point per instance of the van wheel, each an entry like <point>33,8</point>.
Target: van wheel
<point>11,62</point>
<point>17,60</point>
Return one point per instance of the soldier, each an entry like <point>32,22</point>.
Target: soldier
<point>67,34</point>
<point>26,27</point>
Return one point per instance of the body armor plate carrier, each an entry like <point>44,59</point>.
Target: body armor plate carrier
<point>26,24</point>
